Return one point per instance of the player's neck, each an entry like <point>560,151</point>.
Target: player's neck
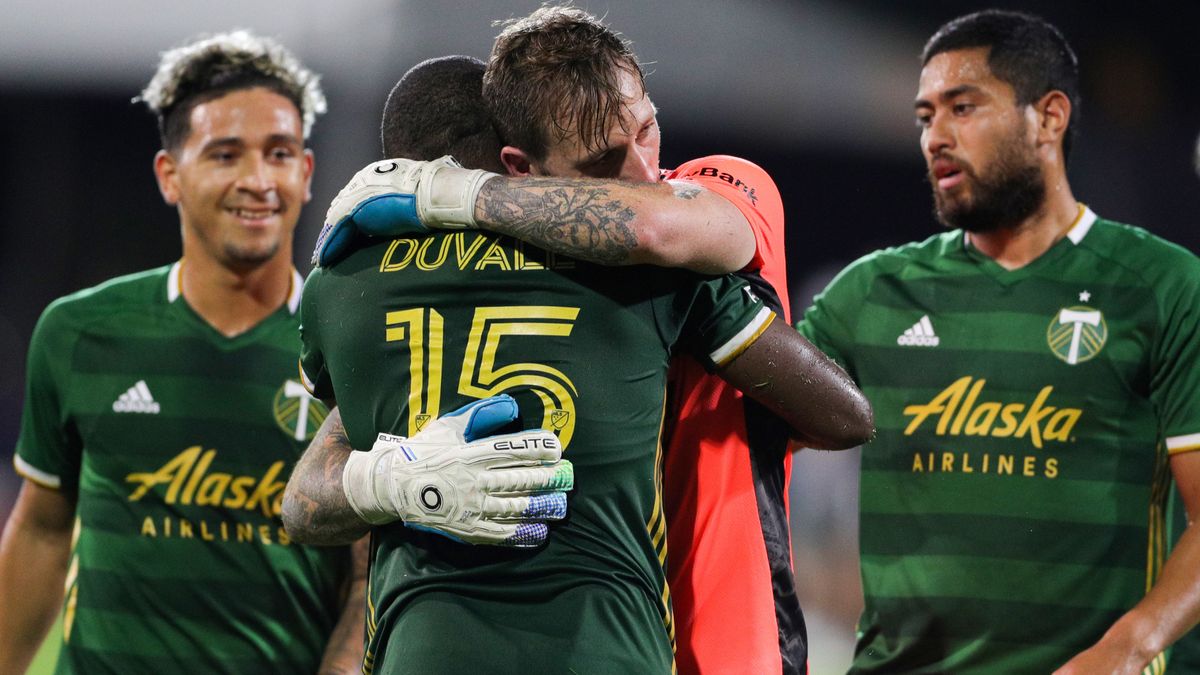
<point>1013,248</point>
<point>234,301</point>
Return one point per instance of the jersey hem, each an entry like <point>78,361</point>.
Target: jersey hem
<point>32,473</point>
<point>744,338</point>
<point>1181,444</point>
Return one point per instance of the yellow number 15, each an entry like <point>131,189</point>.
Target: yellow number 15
<point>422,328</point>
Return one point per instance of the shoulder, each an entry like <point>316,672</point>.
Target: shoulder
<point>117,296</point>
<point>1137,254</point>
<point>739,174</point>
<point>911,259</point>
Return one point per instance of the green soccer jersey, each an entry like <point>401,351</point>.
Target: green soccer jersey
<point>404,331</point>
<point>1012,502</point>
<point>179,442</point>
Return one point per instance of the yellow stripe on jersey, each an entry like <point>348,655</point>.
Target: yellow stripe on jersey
<point>1186,443</point>
<point>734,347</point>
<point>36,475</point>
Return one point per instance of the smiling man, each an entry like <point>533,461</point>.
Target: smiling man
<point>1034,376</point>
<point>163,416</point>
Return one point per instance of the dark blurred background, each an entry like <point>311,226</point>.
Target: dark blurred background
<point>819,93</point>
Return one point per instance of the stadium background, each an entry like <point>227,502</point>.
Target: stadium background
<point>819,93</point>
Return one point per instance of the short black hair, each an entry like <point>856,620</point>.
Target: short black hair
<point>208,68</point>
<point>437,109</point>
<point>1024,50</point>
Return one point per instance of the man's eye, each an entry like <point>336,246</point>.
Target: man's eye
<point>923,120</point>
<point>963,108</point>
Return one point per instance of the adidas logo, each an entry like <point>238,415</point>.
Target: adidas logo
<point>136,400</point>
<point>920,335</point>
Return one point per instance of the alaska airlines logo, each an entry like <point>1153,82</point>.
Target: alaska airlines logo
<point>1077,334</point>
<point>188,481</point>
<point>297,412</point>
<point>959,412</point>
<point>711,172</point>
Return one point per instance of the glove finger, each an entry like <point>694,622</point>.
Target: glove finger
<point>479,418</point>
<point>515,535</point>
<point>388,215</point>
<point>559,476</point>
<point>527,535</point>
<point>551,506</point>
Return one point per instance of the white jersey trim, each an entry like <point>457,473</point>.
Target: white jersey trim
<point>35,474</point>
<point>175,282</point>
<point>1183,443</point>
<point>175,286</point>
<point>744,338</point>
<point>1083,224</point>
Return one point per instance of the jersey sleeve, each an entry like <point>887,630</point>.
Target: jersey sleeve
<point>723,319</point>
<point>751,190</point>
<point>1175,382</point>
<point>314,371</point>
<point>49,449</point>
<point>830,322</point>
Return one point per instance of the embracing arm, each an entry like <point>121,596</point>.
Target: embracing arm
<point>344,651</point>
<point>34,551</point>
<point>1170,609</point>
<point>315,509</point>
<point>671,224</point>
<point>784,371</point>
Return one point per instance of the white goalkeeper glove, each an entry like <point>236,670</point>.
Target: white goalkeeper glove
<point>451,480</point>
<point>399,197</point>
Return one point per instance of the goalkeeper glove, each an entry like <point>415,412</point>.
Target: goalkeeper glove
<point>450,480</point>
<point>399,197</point>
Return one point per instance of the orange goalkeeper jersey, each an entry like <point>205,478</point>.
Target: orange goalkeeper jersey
<point>726,474</point>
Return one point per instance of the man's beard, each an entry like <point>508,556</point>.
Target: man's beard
<point>1011,192</point>
<point>245,258</point>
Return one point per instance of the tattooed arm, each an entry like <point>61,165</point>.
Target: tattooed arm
<point>672,224</point>
<point>315,510</point>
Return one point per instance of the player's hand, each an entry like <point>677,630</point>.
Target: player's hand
<point>1106,656</point>
<point>399,197</point>
<point>451,480</point>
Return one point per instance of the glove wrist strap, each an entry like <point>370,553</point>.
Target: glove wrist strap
<point>361,483</point>
<point>446,195</point>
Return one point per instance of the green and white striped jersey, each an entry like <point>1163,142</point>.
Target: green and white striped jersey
<point>1012,503</point>
<point>404,331</point>
<point>179,442</point>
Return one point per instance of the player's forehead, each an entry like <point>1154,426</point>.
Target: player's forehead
<point>249,115</point>
<point>635,113</point>
<point>956,71</point>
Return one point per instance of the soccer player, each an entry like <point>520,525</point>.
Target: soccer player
<point>727,464</point>
<point>1034,373</point>
<point>163,412</point>
<point>596,353</point>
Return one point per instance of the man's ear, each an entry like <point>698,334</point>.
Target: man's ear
<point>308,174</point>
<point>1054,116</point>
<point>516,161</point>
<point>166,172</point>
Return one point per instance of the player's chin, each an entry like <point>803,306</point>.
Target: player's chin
<point>252,254</point>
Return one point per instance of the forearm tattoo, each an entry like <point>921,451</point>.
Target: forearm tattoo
<point>563,216</point>
<point>314,504</point>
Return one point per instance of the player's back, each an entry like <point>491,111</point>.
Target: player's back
<point>407,330</point>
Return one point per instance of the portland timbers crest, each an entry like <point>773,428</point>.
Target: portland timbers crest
<point>297,412</point>
<point>1077,334</point>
